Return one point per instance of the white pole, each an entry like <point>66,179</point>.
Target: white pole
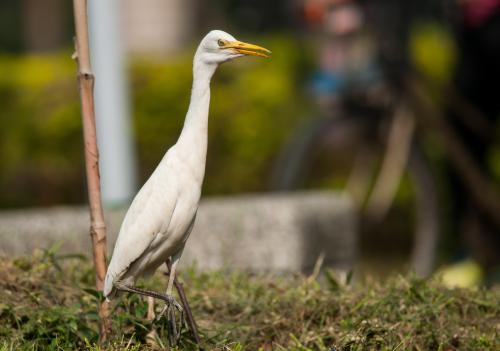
<point>114,132</point>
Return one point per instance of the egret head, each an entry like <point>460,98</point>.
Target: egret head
<point>218,47</point>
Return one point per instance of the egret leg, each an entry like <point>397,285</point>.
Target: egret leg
<point>133,289</point>
<point>170,285</point>
<point>168,310</point>
<point>171,278</point>
<point>185,305</point>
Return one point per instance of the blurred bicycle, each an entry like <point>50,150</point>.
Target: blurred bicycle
<point>366,141</point>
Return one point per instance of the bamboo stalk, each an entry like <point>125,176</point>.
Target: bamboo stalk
<point>97,223</point>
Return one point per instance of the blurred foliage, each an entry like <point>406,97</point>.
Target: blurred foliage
<point>433,51</point>
<point>40,137</point>
<point>255,105</point>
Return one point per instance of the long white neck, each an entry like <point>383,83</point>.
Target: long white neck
<point>192,143</point>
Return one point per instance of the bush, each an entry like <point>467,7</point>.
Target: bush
<point>40,138</point>
<point>254,107</point>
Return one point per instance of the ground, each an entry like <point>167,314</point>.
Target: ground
<point>47,303</point>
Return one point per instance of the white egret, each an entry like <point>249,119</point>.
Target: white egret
<point>163,212</point>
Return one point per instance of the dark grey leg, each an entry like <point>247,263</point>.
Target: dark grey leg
<point>185,305</point>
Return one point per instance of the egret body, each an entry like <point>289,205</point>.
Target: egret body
<point>163,212</point>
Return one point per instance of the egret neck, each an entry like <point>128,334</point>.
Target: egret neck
<point>192,143</point>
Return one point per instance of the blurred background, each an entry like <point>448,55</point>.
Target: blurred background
<point>394,103</point>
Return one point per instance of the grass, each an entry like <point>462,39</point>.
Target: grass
<point>47,303</point>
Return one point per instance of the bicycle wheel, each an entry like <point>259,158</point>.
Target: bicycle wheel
<point>345,153</point>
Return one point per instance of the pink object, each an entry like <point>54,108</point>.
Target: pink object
<point>476,12</point>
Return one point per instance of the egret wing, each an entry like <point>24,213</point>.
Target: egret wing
<point>146,217</point>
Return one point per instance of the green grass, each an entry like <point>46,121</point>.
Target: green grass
<point>47,303</point>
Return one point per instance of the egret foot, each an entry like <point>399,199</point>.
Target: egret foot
<point>169,311</point>
<point>170,302</point>
<point>170,306</point>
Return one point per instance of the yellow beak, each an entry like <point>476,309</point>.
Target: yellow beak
<point>247,49</point>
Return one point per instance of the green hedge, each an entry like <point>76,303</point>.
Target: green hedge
<point>255,105</point>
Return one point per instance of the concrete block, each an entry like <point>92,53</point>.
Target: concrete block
<point>262,232</point>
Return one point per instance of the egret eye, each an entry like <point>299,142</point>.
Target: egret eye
<point>221,42</point>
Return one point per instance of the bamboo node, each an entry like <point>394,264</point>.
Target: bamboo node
<point>99,234</point>
<point>86,75</point>
<point>98,225</point>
